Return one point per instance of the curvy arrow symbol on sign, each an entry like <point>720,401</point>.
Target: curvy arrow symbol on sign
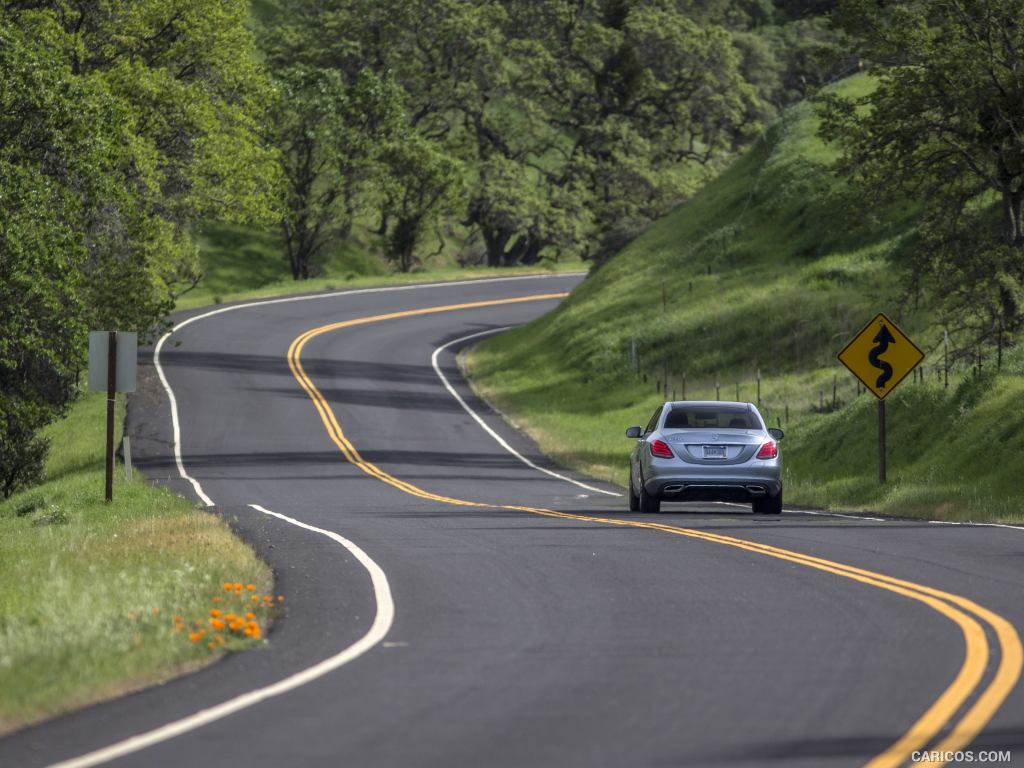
<point>883,339</point>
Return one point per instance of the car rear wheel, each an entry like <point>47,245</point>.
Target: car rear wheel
<point>649,505</point>
<point>768,505</point>
<point>634,500</point>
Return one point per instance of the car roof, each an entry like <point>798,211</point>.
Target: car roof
<point>711,403</point>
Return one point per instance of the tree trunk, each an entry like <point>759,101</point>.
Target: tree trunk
<point>1012,209</point>
<point>290,247</point>
<point>532,253</point>
<point>526,249</point>
<point>300,247</point>
<point>496,240</point>
<point>403,242</point>
<point>515,253</point>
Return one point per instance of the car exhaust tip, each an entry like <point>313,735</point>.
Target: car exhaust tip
<point>672,488</point>
<point>756,491</point>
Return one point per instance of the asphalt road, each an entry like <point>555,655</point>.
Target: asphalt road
<point>561,633</point>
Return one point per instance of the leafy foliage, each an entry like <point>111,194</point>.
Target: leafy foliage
<point>330,133</point>
<point>575,123</point>
<point>424,183</point>
<point>633,89</point>
<point>944,125</point>
<point>121,123</point>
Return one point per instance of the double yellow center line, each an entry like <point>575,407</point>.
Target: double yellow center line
<point>963,612</point>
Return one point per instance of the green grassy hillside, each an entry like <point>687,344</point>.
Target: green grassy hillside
<point>763,271</point>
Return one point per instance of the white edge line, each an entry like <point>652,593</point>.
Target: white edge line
<point>175,422</point>
<point>498,438</point>
<point>838,514</point>
<point>385,605</point>
<point>973,525</point>
<point>377,632</point>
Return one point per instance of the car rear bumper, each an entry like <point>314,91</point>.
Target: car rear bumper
<point>737,488</point>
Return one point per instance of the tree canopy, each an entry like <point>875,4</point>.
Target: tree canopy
<point>121,125</point>
<point>945,126</point>
<point>574,123</point>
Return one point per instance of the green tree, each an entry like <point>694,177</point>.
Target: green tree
<point>331,134</point>
<point>573,121</point>
<point>944,125</point>
<point>121,125</point>
<point>61,140</point>
<point>185,73</point>
<point>635,89</point>
<point>424,183</point>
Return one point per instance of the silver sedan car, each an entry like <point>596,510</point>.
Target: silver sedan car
<point>706,450</point>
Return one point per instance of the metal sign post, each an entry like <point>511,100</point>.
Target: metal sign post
<point>881,442</point>
<point>112,361</point>
<point>108,492</point>
<point>863,356</point>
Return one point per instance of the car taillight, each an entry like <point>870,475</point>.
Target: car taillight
<point>660,448</point>
<point>769,450</point>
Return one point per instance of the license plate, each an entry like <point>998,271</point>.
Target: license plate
<point>715,452</point>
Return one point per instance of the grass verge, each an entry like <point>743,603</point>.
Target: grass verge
<point>91,589</point>
<point>760,277</point>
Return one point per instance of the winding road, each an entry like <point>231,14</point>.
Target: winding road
<point>456,600</point>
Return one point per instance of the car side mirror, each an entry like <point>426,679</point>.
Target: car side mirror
<point>634,432</point>
<point>778,434</point>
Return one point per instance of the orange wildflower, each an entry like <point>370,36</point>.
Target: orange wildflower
<point>251,587</point>
<point>250,616</point>
<point>215,612</point>
<point>217,624</point>
<point>228,586</point>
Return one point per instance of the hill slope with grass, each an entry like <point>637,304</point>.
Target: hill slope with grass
<point>754,286</point>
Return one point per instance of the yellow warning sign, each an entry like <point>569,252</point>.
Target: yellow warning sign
<point>881,356</point>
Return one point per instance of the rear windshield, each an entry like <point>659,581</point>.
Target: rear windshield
<point>710,417</point>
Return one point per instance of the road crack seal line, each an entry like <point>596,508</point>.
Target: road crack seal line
<point>953,607</point>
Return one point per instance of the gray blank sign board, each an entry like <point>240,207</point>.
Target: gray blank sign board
<point>127,359</point>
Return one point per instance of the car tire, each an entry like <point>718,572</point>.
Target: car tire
<point>649,505</point>
<point>768,505</point>
<point>634,500</point>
